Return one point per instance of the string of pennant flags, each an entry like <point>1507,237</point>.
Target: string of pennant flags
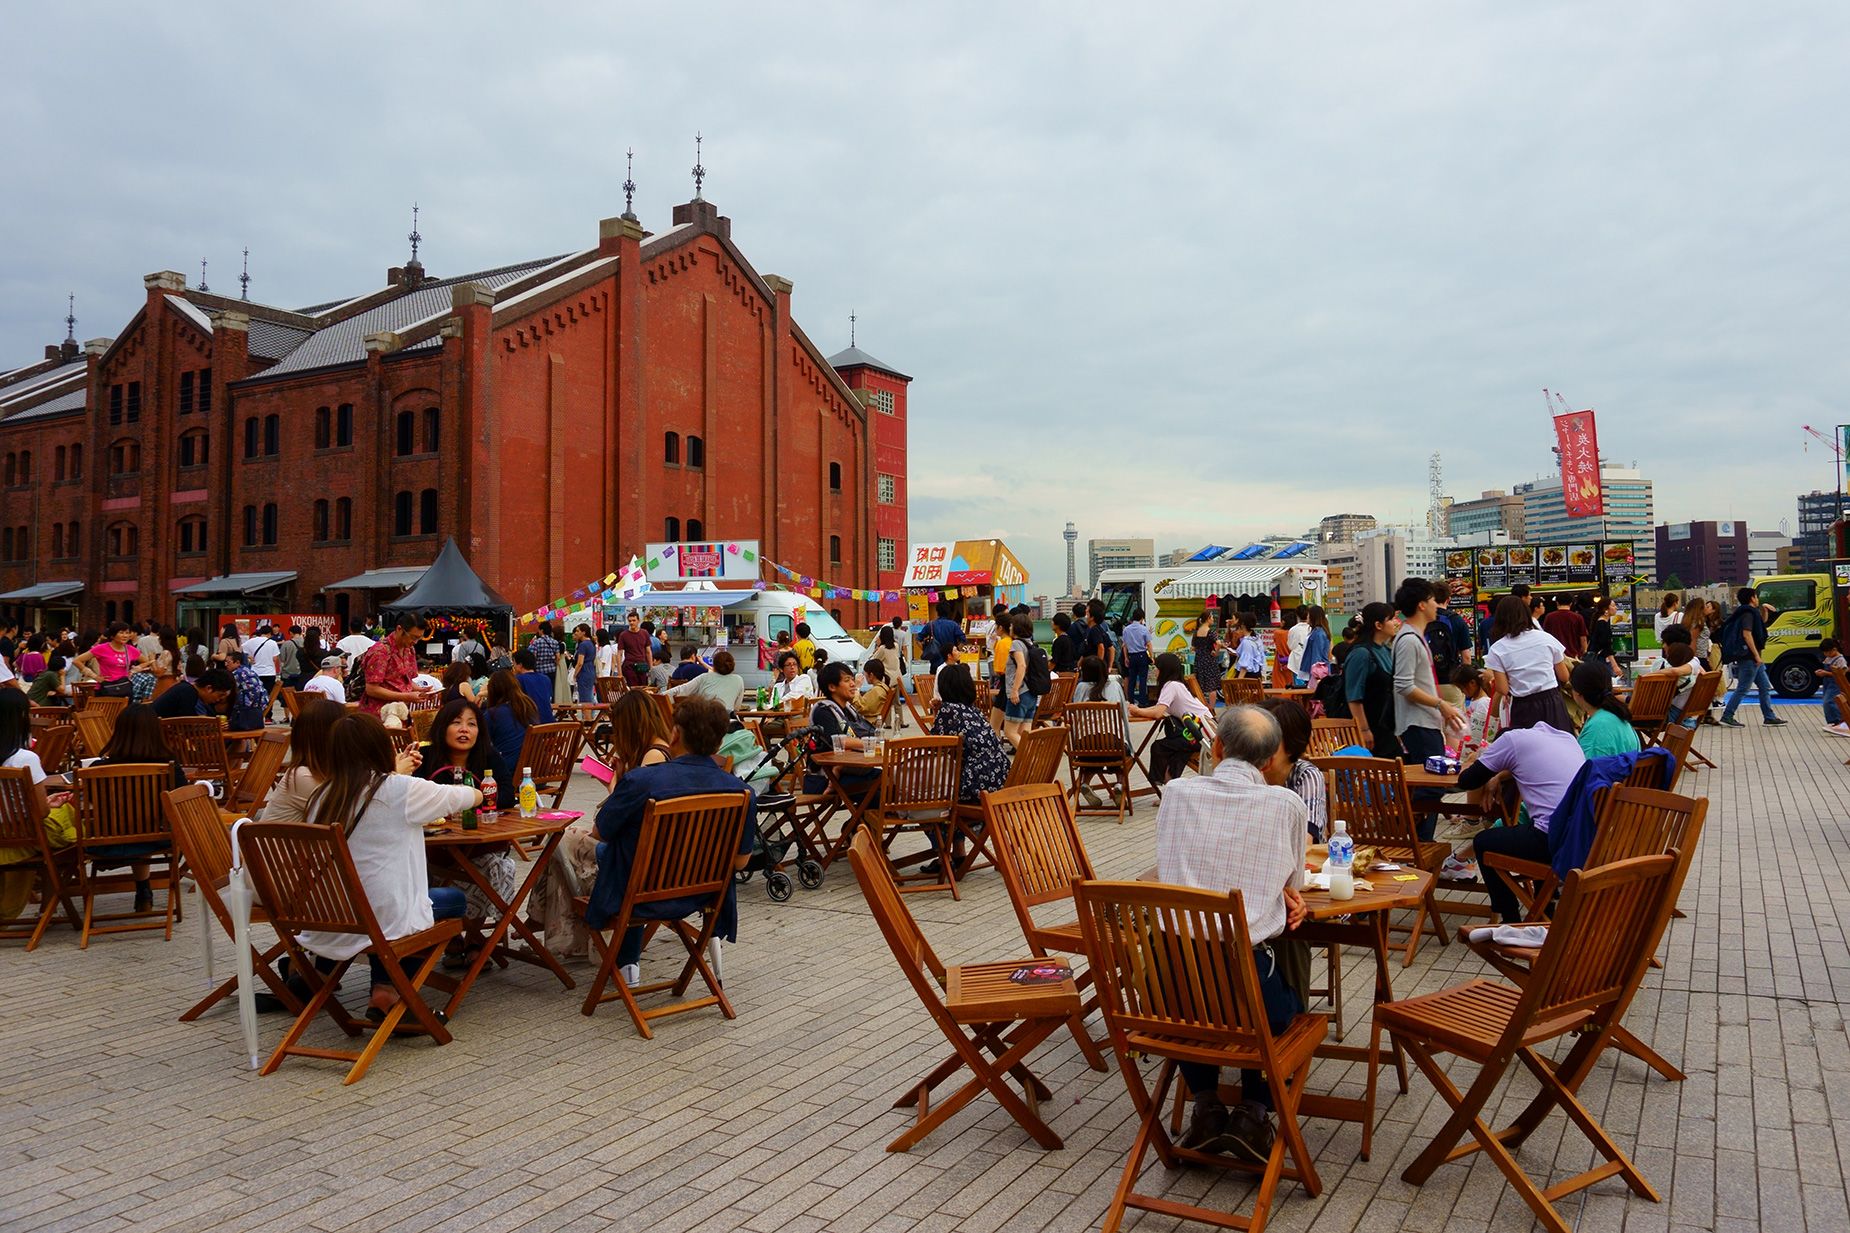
<point>633,580</point>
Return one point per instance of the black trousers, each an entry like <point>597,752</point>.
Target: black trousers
<point>1523,842</point>
<point>1282,1005</point>
<point>1169,756</point>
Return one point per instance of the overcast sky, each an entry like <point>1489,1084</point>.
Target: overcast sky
<point>1199,273</point>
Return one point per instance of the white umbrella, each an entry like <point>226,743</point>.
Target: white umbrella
<point>238,893</point>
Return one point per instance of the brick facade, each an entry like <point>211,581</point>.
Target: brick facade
<point>553,417</point>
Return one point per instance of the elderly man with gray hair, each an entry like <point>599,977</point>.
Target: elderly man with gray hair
<point>1237,828</point>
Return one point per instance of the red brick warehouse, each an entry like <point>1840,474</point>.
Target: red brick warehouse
<point>554,415</point>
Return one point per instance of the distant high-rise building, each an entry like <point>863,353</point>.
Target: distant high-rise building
<point>1817,511</point>
<point>1699,553</point>
<point>1175,557</point>
<point>1496,510</point>
<point>1118,554</point>
<point>1630,515</point>
<point>1763,549</point>
<point>1071,535</point>
<point>1343,528</point>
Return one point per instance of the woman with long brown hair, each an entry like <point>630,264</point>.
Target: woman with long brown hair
<point>383,813</point>
<point>507,713</point>
<point>639,735</point>
<point>308,765</point>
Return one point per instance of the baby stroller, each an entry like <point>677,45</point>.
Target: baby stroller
<point>767,772</point>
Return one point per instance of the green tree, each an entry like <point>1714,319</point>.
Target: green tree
<point>1673,583</point>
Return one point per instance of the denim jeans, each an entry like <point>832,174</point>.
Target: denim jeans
<point>1416,745</point>
<point>1833,704</point>
<point>1137,677</point>
<point>1749,674</point>
<point>1281,1006</point>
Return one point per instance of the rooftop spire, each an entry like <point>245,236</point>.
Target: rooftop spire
<point>244,279</point>
<point>851,320</point>
<point>70,319</point>
<point>700,173</point>
<point>202,275</point>
<point>414,237</point>
<point>629,184</point>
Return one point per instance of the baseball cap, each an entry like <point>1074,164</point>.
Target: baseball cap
<point>333,661</point>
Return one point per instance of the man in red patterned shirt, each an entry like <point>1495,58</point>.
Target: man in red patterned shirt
<point>390,664</point>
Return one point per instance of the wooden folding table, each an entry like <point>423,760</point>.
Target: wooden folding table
<point>452,846</point>
<point>833,767</point>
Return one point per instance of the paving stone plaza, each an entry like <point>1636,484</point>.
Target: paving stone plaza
<point>120,1117</point>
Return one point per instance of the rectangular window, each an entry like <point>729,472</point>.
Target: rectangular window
<point>115,403</point>
<point>889,554</point>
<point>186,393</point>
<point>889,489</point>
<point>134,402</point>
<point>205,391</point>
<point>883,401</point>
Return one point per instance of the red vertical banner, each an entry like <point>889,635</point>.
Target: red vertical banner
<point>1579,448</point>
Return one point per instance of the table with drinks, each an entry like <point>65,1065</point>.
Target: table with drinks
<point>834,764</point>
<point>451,843</point>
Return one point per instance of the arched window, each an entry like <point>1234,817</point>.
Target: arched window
<point>671,530</point>
<point>272,435</point>
<point>269,524</point>
<point>193,446</point>
<point>250,526</point>
<point>77,462</point>
<point>324,428</point>
<point>192,536</point>
<point>835,477</point>
<point>407,428</point>
<point>433,429</point>
<point>343,425</point>
<point>343,518</point>
<point>696,453</point>
<point>124,539</point>
<point>57,540</point>
<point>251,429</point>
<point>321,521</point>
<point>427,512</point>
<point>834,550</point>
<point>671,449</point>
<point>695,530</point>
<point>401,512</point>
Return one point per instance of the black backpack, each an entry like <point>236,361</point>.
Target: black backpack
<point>1038,680</point>
<point>1444,654</point>
<point>1734,646</point>
<point>356,675</point>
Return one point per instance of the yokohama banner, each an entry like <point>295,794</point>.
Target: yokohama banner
<point>1579,446</point>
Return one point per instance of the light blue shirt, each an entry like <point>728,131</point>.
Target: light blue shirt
<point>1251,655</point>
<point>1136,638</point>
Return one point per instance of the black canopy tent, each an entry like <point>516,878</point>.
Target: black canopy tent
<point>452,597</point>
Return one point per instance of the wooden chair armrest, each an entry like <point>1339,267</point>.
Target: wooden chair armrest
<point>1533,870</point>
<point>1539,892</point>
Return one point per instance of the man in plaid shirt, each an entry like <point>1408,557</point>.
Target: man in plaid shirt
<point>1237,829</point>
<point>546,649</point>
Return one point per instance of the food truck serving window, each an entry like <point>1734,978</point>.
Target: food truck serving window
<point>1120,598</point>
<point>1790,595</point>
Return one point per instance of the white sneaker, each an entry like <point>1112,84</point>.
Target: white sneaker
<point>1838,729</point>
<point>631,973</point>
<point>1456,870</point>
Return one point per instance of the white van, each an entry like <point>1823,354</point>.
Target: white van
<point>766,614</point>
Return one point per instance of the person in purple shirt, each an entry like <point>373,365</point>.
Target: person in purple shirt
<point>1543,761</point>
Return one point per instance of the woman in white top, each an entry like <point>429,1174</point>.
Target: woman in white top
<point>1667,615</point>
<point>384,812</point>
<point>1297,633</point>
<point>724,684</point>
<point>59,823</point>
<point>609,658</point>
<point>1185,720</point>
<point>1530,668</point>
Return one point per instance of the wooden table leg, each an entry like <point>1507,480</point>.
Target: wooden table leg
<point>507,916</point>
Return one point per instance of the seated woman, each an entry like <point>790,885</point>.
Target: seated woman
<point>1305,779</point>
<point>835,716</point>
<point>1608,729</point>
<point>458,752</point>
<point>48,686</point>
<point>60,820</point>
<point>1185,719</point>
<point>871,702</point>
<point>986,755</point>
<point>307,768</point>
<point>509,713</point>
<point>639,737</point>
<point>723,684</point>
<point>383,811</point>
<point>701,723</point>
<point>137,738</point>
<point>459,682</point>
<point>660,673</point>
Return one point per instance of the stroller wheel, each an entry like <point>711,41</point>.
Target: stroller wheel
<point>741,876</point>
<point>810,874</point>
<point>777,885</point>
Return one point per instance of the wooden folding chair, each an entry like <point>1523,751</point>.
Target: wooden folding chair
<point>1371,795</point>
<point>246,797</point>
<point>1329,735</point>
<point>119,807</point>
<point>550,751</point>
<point>22,827</point>
<point>1676,741</point>
<point>53,746</point>
<point>1036,761</point>
<point>305,877</point>
<point>404,740</point>
<point>1040,854</point>
<point>1098,747</point>
<point>94,728</point>
<point>204,840</point>
<point>919,781</point>
<point>107,706</point>
<point>1242,690</point>
<point>923,700</point>
<point>1633,822</point>
<point>1650,705</point>
<point>1052,706</point>
<point>608,687</point>
<point>198,745</point>
<point>1580,983</point>
<point>1702,696</point>
<point>685,852</point>
<point>1176,980</point>
<point>991,1022</point>
<point>292,702</point>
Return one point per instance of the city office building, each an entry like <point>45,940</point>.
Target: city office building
<point>1763,549</point>
<point>1697,554</point>
<point>1817,512</point>
<point>1630,515</point>
<point>1494,511</point>
<point>1103,554</point>
<point>1343,528</point>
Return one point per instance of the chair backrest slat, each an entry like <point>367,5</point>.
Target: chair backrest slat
<point>198,744</point>
<point>1037,844</point>
<point>1371,795</point>
<point>1242,690</point>
<point>686,846</point>
<point>202,837</point>
<point>259,774</point>
<point>1676,740</point>
<point>921,773</point>
<point>1601,937</point>
<point>1037,757</point>
<point>551,750</point>
<point>22,822</point>
<point>53,746</point>
<point>122,803</point>
<point>1637,822</point>
<point>305,877</point>
<point>1096,730</point>
<point>94,727</point>
<point>903,936</point>
<point>1329,735</point>
<point>1702,693</point>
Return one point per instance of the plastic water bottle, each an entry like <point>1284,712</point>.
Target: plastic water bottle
<point>529,795</point>
<point>1341,865</point>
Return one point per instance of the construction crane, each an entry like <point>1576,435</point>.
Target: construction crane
<point>1831,443</point>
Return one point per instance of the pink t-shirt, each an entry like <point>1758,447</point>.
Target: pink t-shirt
<point>111,664</point>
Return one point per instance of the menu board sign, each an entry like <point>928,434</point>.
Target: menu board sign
<point>1460,579</point>
<point>1582,564</point>
<point>1522,559</point>
<point>1551,565</point>
<point>1546,569</point>
<point>1616,558</point>
<point>1493,569</point>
